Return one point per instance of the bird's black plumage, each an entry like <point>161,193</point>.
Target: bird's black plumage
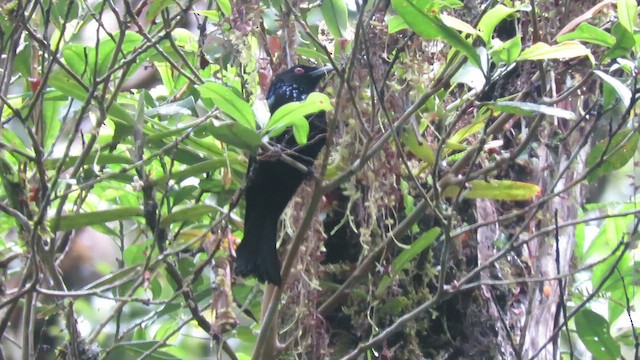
<point>271,182</point>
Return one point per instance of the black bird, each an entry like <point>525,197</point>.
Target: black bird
<point>271,182</point>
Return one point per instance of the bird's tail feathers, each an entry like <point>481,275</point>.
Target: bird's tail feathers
<point>257,254</point>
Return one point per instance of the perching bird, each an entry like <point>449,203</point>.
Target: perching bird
<point>271,182</point>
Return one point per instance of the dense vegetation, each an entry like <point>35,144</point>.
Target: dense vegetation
<point>477,197</point>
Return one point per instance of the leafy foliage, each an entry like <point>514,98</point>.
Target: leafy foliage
<point>452,192</point>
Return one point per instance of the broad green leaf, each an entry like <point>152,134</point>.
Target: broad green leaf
<point>67,85</point>
<point>225,6</point>
<point>624,93</point>
<point>430,26</point>
<point>617,157</point>
<point>185,39</point>
<point>625,41</point>
<point>107,48</point>
<point>523,108</point>
<point>395,24</point>
<point>593,330</point>
<point>300,131</point>
<point>211,14</point>
<point>155,7</point>
<point>293,114</point>
<point>238,135</point>
<point>491,19</point>
<point>115,277</point>
<point>80,59</point>
<point>496,190</point>
<point>335,15</point>
<point>628,14</point>
<point>75,221</point>
<point>565,50</point>
<point>591,34</point>
<point>509,50</point>
<point>419,148</point>
<point>182,107</point>
<point>318,56</point>
<point>458,24</point>
<point>416,247</point>
<point>230,103</point>
<point>191,213</point>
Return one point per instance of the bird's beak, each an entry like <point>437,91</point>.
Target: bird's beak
<point>322,71</point>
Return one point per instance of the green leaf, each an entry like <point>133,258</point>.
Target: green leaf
<point>395,24</point>
<point>192,213</point>
<point>335,16</point>
<point>591,34</point>
<point>185,107</point>
<point>80,59</point>
<point>75,221</point>
<point>230,103</point>
<point>624,93</point>
<point>617,157</point>
<point>496,190</point>
<point>593,330</point>
<point>491,19</point>
<point>565,50</point>
<point>419,148</point>
<point>458,24</point>
<point>107,48</point>
<point>628,14</point>
<point>293,114</point>
<point>300,131</point>
<point>67,85</point>
<point>427,24</point>
<point>509,50</point>
<point>523,108</point>
<point>225,6</point>
<point>237,135</point>
<point>625,41</point>
<point>155,7</point>
<point>416,247</point>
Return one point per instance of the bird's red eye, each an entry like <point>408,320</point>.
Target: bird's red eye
<point>299,70</point>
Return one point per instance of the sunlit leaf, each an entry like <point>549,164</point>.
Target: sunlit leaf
<point>523,108</point>
<point>628,14</point>
<point>418,147</point>
<point>491,19</point>
<point>155,6</point>
<point>293,114</point>
<point>230,103</point>
<point>238,135</point>
<point>591,34</point>
<point>416,247</point>
<point>496,190</point>
<point>191,213</point>
<point>78,220</point>
<point>430,26</point>
<point>565,50</point>
<point>335,16</point>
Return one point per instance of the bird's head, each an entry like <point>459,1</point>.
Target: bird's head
<point>294,84</point>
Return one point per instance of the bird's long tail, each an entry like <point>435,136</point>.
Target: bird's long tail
<point>257,254</point>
